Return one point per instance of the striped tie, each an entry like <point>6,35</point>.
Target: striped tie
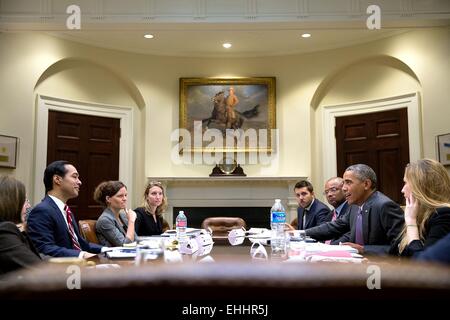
<point>75,243</point>
<point>334,215</point>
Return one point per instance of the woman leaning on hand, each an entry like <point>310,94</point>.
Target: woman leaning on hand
<point>427,211</point>
<point>149,215</point>
<point>115,227</point>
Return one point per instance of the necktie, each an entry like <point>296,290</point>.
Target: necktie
<point>334,215</point>
<point>304,219</point>
<point>75,243</point>
<point>359,239</point>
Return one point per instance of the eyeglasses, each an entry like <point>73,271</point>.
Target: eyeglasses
<point>331,190</point>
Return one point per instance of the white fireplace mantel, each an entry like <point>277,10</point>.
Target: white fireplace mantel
<point>230,192</point>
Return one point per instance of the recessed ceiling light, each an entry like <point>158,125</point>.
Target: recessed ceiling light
<point>227,45</point>
<point>149,36</point>
<point>306,35</point>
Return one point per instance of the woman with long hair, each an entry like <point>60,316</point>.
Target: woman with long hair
<point>115,227</point>
<point>149,216</point>
<point>427,211</point>
<point>16,249</point>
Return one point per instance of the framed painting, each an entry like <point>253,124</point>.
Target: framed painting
<point>227,114</point>
<point>443,148</point>
<point>8,151</point>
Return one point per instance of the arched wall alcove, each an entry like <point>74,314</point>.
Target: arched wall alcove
<point>373,84</point>
<point>85,80</point>
<point>82,86</point>
<point>363,77</point>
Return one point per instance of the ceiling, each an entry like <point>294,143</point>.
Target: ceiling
<point>198,28</point>
<point>207,41</point>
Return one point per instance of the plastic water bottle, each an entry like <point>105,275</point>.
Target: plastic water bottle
<point>277,221</point>
<point>181,225</point>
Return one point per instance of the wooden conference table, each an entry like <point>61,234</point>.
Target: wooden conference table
<point>232,275</point>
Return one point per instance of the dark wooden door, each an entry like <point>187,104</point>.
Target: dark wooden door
<point>92,145</point>
<point>379,140</point>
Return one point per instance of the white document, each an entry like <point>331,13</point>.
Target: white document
<point>121,253</point>
<point>257,230</point>
<point>189,232</point>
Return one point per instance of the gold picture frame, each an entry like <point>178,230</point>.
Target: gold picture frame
<point>8,151</point>
<point>243,105</point>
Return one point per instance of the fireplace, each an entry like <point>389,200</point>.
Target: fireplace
<point>257,217</point>
<point>247,197</point>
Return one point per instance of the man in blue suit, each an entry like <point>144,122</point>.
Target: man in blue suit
<point>438,252</point>
<point>311,211</point>
<point>51,225</point>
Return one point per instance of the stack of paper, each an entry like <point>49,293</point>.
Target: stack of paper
<point>121,252</point>
<point>189,232</point>
<point>321,247</point>
<point>257,230</point>
<point>323,252</point>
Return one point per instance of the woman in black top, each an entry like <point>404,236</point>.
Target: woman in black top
<point>16,249</point>
<point>149,216</point>
<point>427,211</point>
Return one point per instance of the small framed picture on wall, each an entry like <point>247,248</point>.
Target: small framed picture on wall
<point>8,151</point>
<point>443,148</point>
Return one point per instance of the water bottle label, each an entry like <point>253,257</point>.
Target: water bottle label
<point>182,224</point>
<point>278,217</point>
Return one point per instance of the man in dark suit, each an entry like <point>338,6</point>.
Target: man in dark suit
<point>51,225</point>
<point>336,197</point>
<point>311,211</point>
<point>372,224</point>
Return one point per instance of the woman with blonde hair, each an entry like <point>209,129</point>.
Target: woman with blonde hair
<point>16,249</point>
<point>427,211</point>
<point>149,216</point>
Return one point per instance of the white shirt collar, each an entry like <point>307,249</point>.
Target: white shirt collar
<point>310,205</point>
<point>58,202</point>
<point>60,205</point>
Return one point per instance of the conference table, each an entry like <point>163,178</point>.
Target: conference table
<point>219,249</point>
<point>231,274</point>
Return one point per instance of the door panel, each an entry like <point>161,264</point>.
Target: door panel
<point>379,140</point>
<point>92,145</point>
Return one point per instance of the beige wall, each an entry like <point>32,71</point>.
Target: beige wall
<point>150,85</point>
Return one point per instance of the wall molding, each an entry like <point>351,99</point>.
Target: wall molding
<point>140,13</point>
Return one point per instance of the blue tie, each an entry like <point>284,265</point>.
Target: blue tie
<point>359,239</point>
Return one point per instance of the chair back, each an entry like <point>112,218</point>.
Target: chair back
<point>294,223</point>
<point>87,230</point>
<point>165,225</point>
<point>220,226</point>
